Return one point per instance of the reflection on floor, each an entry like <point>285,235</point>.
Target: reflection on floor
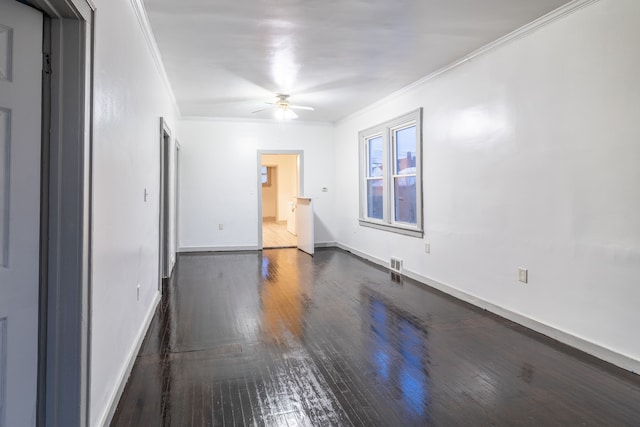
<point>275,235</point>
<point>279,338</point>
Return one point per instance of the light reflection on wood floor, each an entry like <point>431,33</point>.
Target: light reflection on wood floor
<point>275,235</point>
<point>279,338</point>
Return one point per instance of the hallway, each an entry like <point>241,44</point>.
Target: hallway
<point>279,338</point>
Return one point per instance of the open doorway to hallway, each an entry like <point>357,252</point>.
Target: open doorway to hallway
<point>280,185</point>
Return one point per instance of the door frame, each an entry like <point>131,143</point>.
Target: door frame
<point>64,337</point>
<point>300,154</point>
<point>176,198</point>
<point>164,259</point>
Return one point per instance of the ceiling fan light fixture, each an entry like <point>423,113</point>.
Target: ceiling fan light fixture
<point>284,113</point>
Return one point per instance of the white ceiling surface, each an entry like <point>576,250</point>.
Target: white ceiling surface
<point>226,58</point>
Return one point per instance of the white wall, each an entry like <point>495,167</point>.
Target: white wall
<point>219,182</point>
<point>287,180</point>
<point>531,156</point>
<point>548,181</point>
<point>129,100</point>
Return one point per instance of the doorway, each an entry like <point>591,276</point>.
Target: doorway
<point>46,67</point>
<point>164,261</point>
<point>279,186</point>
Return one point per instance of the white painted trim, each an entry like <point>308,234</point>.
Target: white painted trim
<point>195,249</point>
<point>191,249</point>
<point>621,360</point>
<point>107,416</point>
<point>363,255</point>
<point>145,26</point>
<point>521,32</point>
<point>332,244</point>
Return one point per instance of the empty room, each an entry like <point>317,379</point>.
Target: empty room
<point>312,213</point>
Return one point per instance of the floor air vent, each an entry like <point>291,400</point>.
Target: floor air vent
<point>395,265</point>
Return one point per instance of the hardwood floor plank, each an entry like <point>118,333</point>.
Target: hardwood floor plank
<point>276,235</point>
<point>279,338</point>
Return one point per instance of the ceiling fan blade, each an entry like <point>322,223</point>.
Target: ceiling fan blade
<point>301,107</point>
<point>263,109</point>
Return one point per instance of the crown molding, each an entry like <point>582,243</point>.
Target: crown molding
<point>521,32</point>
<point>145,26</point>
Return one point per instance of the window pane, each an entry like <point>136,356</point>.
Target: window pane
<point>405,140</point>
<point>374,198</point>
<point>405,199</point>
<point>375,156</point>
<point>390,173</point>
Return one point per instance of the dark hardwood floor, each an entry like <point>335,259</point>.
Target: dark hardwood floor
<point>277,338</point>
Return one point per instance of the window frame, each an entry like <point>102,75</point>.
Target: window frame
<point>368,177</point>
<point>388,131</point>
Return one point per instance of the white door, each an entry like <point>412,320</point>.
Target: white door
<point>20,100</point>
<point>304,225</point>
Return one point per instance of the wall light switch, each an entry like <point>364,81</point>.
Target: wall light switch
<point>220,226</point>
<point>427,248</point>
<point>523,275</point>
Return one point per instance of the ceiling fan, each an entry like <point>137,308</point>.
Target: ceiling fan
<point>283,110</point>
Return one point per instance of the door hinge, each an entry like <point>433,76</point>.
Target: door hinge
<point>46,67</point>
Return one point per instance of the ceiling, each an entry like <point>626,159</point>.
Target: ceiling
<point>226,58</point>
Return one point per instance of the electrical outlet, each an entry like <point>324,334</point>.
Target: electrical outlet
<point>138,292</point>
<point>427,248</point>
<point>523,275</point>
<point>220,226</point>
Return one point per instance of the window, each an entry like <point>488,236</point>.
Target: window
<point>266,175</point>
<point>391,176</point>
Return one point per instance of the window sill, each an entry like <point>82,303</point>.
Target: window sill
<point>413,232</point>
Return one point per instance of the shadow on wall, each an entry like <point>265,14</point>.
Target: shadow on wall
<point>320,229</point>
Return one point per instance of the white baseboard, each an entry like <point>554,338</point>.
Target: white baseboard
<point>187,249</point>
<point>192,249</point>
<point>326,244</point>
<point>621,360</point>
<point>126,372</point>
